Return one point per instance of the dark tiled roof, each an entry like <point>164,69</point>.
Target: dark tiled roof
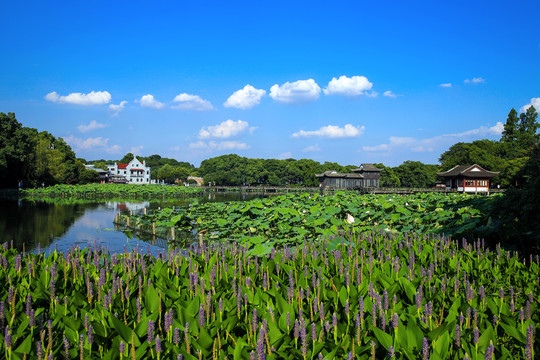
<point>366,167</point>
<point>466,170</point>
<point>335,174</point>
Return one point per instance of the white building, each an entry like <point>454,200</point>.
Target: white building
<point>134,172</point>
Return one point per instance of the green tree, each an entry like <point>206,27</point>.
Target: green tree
<point>485,153</point>
<point>527,131</point>
<point>127,158</point>
<point>509,135</point>
<point>16,151</point>
<point>415,174</point>
<point>389,178</point>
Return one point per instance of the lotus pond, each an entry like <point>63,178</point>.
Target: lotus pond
<point>261,224</point>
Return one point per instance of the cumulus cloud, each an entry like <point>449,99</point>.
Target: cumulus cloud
<point>191,102</point>
<point>313,148</point>
<point>149,102</point>
<point>117,108</point>
<point>92,98</point>
<point>474,80</point>
<point>221,145</point>
<point>296,92</point>
<point>534,102</point>
<point>389,94</point>
<point>353,86</point>
<point>436,142</point>
<point>285,155</point>
<point>245,98</point>
<point>226,129</point>
<point>136,150</point>
<point>332,131</point>
<point>446,85</point>
<point>92,126</point>
<point>97,143</point>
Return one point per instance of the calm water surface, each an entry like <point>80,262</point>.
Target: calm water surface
<point>61,225</point>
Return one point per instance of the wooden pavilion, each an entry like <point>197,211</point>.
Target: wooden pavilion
<point>365,176</point>
<point>468,178</point>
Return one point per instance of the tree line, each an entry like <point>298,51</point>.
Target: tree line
<point>39,157</point>
<point>32,158</point>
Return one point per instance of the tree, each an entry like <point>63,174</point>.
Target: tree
<point>416,174</point>
<point>485,153</point>
<point>127,158</point>
<point>527,131</point>
<point>509,135</point>
<point>389,178</point>
<point>16,151</point>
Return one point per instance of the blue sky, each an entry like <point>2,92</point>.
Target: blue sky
<point>343,81</point>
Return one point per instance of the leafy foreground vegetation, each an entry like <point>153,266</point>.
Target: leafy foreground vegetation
<point>127,191</point>
<point>261,224</point>
<point>366,295</point>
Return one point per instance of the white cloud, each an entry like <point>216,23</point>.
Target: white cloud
<point>376,148</point>
<point>149,102</point>
<point>245,98</point>
<point>226,129</point>
<point>313,148</point>
<point>296,92</point>
<point>353,86</point>
<point>446,85</point>
<point>92,98</point>
<point>175,148</point>
<point>332,131</point>
<point>136,150</point>
<point>191,102</point>
<point>117,108</point>
<point>221,145</point>
<point>92,126</point>
<point>97,143</point>
<point>285,155</point>
<point>534,102</point>
<point>389,93</point>
<point>436,142</point>
<point>476,80</point>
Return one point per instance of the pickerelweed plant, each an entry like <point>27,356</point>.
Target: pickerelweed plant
<point>369,295</point>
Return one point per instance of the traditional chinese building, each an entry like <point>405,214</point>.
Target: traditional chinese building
<point>468,178</point>
<point>366,176</point>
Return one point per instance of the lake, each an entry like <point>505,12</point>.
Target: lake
<point>60,224</point>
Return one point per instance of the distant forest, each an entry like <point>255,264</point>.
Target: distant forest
<point>39,158</point>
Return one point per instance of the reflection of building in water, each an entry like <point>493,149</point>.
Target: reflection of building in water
<point>129,206</point>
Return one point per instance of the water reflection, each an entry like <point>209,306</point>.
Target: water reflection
<point>63,223</point>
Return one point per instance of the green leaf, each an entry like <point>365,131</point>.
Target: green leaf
<point>384,339</point>
<point>240,344</point>
<point>442,344</point>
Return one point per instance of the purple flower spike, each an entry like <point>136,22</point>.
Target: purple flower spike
<point>150,330</point>
<point>90,334</point>
<point>7,338</point>
<point>425,349</point>
<point>66,348</point>
<point>201,315</point>
<point>158,345</point>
